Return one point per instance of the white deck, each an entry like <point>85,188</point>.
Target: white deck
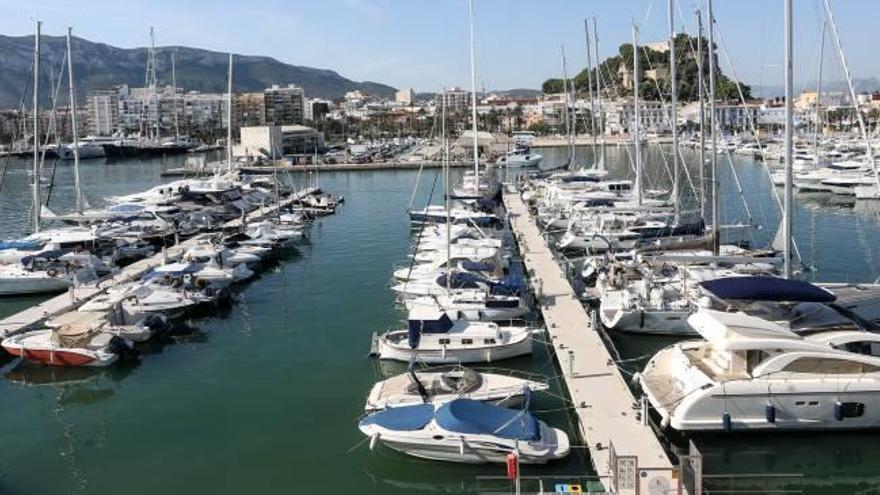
<point>604,404</point>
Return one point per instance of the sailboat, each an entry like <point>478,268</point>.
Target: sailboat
<point>474,185</point>
<point>433,338</point>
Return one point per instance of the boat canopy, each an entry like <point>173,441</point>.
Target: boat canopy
<point>767,289</point>
<point>405,418</point>
<point>426,319</point>
<point>470,416</point>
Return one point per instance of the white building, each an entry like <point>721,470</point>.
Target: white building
<point>405,96</point>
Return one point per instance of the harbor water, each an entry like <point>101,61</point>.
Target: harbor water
<point>263,397</point>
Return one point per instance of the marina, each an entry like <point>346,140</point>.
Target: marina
<point>640,279</point>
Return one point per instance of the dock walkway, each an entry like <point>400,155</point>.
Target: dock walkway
<point>626,453</point>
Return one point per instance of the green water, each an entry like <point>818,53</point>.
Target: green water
<point>263,397</point>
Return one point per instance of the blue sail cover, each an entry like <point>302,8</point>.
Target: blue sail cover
<point>767,289</point>
<point>478,266</point>
<point>462,280</point>
<point>415,328</point>
<point>405,418</point>
<point>470,416</point>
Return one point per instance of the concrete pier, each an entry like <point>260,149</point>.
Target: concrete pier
<point>626,453</point>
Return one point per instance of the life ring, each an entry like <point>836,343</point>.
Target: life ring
<point>52,272</point>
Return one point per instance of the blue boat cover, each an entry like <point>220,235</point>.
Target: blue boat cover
<point>461,280</point>
<point>22,244</point>
<point>415,328</point>
<point>470,416</point>
<point>51,254</point>
<point>767,289</point>
<point>478,266</point>
<point>405,418</point>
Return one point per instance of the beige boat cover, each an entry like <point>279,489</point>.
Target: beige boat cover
<point>73,336</point>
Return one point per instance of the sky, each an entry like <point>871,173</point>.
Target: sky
<point>424,43</point>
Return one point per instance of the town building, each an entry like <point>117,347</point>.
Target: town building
<point>405,96</point>
<point>283,105</point>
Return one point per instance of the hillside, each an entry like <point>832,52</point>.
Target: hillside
<point>98,65</point>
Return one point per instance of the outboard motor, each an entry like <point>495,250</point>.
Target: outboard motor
<point>121,347</point>
<point>157,323</point>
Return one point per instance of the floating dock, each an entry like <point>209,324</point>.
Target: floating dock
<point>626,453</point>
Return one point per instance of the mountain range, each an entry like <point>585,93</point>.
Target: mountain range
<point>99,66</point>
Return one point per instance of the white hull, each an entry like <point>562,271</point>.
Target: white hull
<point>477,354</point>
<point>32,285</point>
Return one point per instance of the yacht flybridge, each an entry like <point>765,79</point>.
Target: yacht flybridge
<point>754,374</point>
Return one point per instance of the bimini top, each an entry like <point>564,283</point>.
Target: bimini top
<point>470,416</point>
<point>767,289</point>
<point>405,418</point>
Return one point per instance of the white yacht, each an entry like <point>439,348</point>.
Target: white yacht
<point>465,430</point>
<point>438,386</point>
<point>753,374</point>
<point>433,338</point>
<point>520,157</point>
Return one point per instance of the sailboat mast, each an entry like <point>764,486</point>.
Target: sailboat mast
<point>636,136</point>
<point>852,94</point>
<point>702,91</point>
<point>38,168</point>
<point>446,187</point>
<point>229,116</point>
<point>818,125</point>
<point>599,105</point>
<point>789,128</point>
<point>474,99</point>
<point>716,197</point>
<point>590,88</point>
<point>77,186</point>
<point>174,96</point>
<point>154,83</point>
<point>673,88</point>
<point>566,109</point>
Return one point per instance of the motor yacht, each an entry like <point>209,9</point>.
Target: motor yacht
<point>465,430</point>
<point>754,374</point>
<point>432,386</point>
<point>433,338</point>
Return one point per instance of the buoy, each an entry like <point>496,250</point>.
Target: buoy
<point>511,466</point>
<point>461,446</point>
<point>838,411</point>
<point>664,423</point>
<point>725,418</point>
<point>636,378</point>
<point>374,439</point>
<point>770,413</point>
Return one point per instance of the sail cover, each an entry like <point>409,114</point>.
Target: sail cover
<point>470,416</point>
<point>766,289</point>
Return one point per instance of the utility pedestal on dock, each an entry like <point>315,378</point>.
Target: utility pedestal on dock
<point>626,453</point>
